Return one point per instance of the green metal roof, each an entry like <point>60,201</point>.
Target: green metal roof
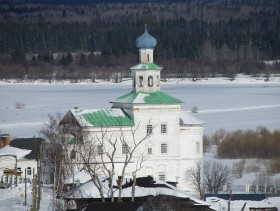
<point>107,117</point>
<point>146,66</point>
<point>148,98</point>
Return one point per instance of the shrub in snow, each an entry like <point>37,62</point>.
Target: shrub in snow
<point>19,105</point>
<point>194,109</point>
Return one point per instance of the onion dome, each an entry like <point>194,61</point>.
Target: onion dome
<point>146,40</point>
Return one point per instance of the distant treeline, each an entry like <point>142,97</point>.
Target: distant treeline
<point>211,31</point>
<point>183,30</point>
<point>86,2</point>
<point>260,143</point>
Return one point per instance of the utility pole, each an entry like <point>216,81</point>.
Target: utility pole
<point>25,192</point>
<point>34,191</point>
<point>16,173</point>
<point>39,174</point>
<point>229,200</point>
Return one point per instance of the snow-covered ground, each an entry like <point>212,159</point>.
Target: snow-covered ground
<point>13,198</point>
<point>244,103</point>
<point>236,205</point>
<point>241,104</point>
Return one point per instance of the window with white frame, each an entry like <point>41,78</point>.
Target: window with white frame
<point>28,171</point>
<point>150,151</point>
<point>163,148</point>
<point>161,177</point>
<point>100,150</point>
<point>124,149</point>
<point>149,129</point>
<point>163,128</point>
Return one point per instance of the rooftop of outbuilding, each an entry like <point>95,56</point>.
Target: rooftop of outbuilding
<point>32,144</point>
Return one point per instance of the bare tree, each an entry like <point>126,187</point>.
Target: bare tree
<point>263,181</point>
<point>138,166</point>
<point>132,145</point>
<point>215,176</point>
<point>194,176</point>
<point>57,153</point>
<point>100,153</point>
<point>210,176</point>
<point>56,149</point>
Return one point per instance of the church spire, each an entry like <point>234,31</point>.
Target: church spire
<point>146,44</point>
<point>146,75</point>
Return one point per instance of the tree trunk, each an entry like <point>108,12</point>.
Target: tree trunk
<point>133,187</point>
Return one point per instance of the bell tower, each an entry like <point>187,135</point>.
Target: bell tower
<point>146,74</point>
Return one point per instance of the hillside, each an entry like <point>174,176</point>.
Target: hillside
<point>194,37</point>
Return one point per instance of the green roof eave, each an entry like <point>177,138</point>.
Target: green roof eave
<point>146,66</point>
<point>148,98</point>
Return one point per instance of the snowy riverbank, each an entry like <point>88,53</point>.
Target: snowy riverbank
<point>239,79</point>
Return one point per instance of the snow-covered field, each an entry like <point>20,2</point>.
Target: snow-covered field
<point>241,104</point>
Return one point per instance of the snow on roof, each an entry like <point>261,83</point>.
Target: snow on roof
<point>156,97</point>
<point>19,153</point>
<point>188,119</point>
<point>158,187</point>
<point>219,203</point>
<point>140,98</point>
<point>80,175</point>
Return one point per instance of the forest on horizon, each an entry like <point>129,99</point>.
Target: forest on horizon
<point>201,38</point>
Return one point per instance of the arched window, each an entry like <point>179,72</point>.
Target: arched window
<point>134,81</point>
<point>148,57</point>
<point>140,81</point>
<point>158,80</point>
<point>150,81</point>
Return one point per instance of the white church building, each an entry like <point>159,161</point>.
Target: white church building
<point>171,138</point>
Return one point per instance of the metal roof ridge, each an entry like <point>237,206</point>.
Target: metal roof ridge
<point>155,97</point>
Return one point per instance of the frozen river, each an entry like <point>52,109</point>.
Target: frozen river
<point>229,106</point>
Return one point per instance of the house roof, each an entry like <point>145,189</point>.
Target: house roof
<point>102,117</point>
<point>145,186</point>
<point>80,175</point>
<point>32,144</point>
<point>186,118</point>
<point>19,153</point>
<point>148,98</point>
<point>146,66</point>
<point>118,206</point>
<point>238,200</point>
